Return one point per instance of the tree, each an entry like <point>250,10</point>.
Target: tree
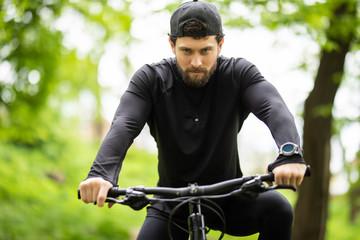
<point>318,120</point>
<point>335,26</point>
<point>41,72</point>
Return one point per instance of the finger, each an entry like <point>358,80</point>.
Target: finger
<point>83,193</point>
<point>299,181</point>
<point>89,195</point>
<point>278,180</point>
<point>286,181</point>
<point>101,196</point>
<point>95,193</point>
<point>112,203</point>
<point>292,181</point>
<point>286,178</point>
<point>269,183</point>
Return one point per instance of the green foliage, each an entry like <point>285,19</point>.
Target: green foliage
<point>41,73</point>
<point>38,196</point>
<point>41,69</point>
<point>311,18</point>
<point>38,193</point>
<point>339,225</point>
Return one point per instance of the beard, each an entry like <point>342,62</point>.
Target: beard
<point>196,81</point>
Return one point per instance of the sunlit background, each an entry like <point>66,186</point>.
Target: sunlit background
<point>101,48</point>
<point>278,55</point>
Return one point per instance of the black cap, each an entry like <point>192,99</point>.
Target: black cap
<point>203,12</point>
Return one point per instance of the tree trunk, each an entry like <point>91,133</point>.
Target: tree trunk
<point>312,206</point>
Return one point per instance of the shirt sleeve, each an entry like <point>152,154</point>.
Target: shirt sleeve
<point>130,117</point>
<point>265,102</point>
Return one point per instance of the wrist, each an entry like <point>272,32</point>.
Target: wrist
<point>281,159</point>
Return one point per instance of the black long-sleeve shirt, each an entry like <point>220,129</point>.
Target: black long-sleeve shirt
<point>195,128</point>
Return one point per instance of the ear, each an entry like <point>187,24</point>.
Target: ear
<point>172,46</point>
<point>220,46</point>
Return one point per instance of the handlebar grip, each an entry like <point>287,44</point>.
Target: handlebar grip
<point>270,177</point>
<point>113,192</point>
<point>116,191</point>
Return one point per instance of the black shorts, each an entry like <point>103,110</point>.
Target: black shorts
<point>270,215</point>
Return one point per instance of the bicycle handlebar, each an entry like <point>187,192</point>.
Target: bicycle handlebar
<point>193,189</point>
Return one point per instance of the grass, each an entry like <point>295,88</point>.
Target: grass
<point>338,225</point>
<point>38,196</point>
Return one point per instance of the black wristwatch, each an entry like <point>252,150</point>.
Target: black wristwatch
<point>289,149</point>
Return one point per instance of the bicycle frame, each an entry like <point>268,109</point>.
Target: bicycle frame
<point>196,222</point>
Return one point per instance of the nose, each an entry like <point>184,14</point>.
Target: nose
<point>196,61</point>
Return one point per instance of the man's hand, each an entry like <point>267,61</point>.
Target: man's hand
<point>95,189</point>
<point>289,174</point>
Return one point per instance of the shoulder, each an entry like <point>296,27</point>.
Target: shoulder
<point>234,64</point>
<point>162,68</point>
<point>166,65</point>
<point>160,74</point>
<point>241,71</point>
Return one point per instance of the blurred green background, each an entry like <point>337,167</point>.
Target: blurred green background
<point>53,111</point>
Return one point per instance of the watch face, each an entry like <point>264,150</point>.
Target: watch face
<point>288,148</point>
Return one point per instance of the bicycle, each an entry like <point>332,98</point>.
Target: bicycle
<point>252,185</point>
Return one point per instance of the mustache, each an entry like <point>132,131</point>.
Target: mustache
<point>194,69</point>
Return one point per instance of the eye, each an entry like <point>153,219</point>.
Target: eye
<point>205,51</point>
<point>186,51</point>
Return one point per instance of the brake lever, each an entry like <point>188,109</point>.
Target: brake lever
<point>255,186</point>
<point>251,189</point>
<point>135,199</point>
<point>114,200</point>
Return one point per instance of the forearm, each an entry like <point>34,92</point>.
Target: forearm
<point>265,102</point>
<point>128,122</point>
<point>111,154</point>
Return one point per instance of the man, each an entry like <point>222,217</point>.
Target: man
<point>195,105</point>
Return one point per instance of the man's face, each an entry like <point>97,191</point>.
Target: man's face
<point>196,58</point>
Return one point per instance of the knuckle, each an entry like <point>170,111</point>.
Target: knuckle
<point>83,185</point>
<point>95,181</point>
